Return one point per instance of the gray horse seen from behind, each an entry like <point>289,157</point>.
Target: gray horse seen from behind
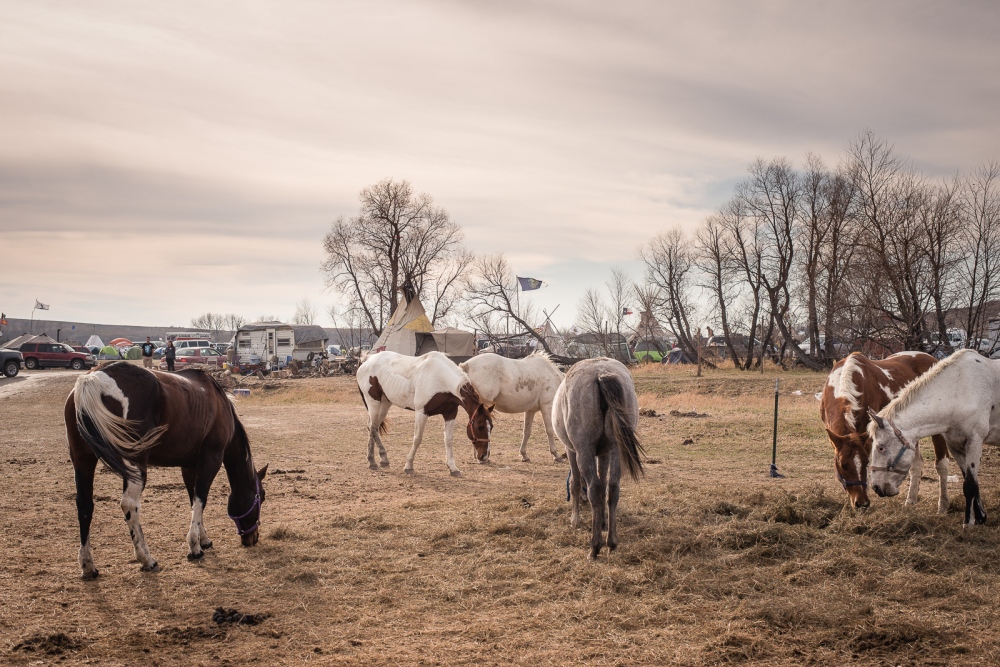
<point>595,414</point>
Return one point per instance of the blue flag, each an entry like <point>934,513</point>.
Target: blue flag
<point>528,284</point>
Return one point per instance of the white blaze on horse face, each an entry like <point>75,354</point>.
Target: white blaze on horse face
<point>857,466</point>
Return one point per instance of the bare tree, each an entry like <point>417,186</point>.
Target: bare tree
<point>979,247</point>
<point>816,221</point>
<point>447,285</point>
<point>213,322</point>
<point>397,236</point>
<point>669,262</point>
<point>592,317</point>
<point>837,254</point>
<point>715,257</point>
<point>492,298</point>
<point>233,322</point>
<point>746,246</point>
<point>940,220</point>
<point>305,313</point>
<point>893,267</point>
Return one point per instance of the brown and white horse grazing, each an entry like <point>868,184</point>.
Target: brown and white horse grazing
<point>595,413</point>
<point>132,418</point>
<point>430,385</point>
<point>518,385</point>
<point>856,385</point>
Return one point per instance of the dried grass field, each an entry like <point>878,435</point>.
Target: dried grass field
<point>718,563</point>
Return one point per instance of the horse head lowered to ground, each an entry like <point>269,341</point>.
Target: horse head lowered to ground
<point>518,385</point>
<point>430,385</point>
<point>959,398</point>
<point>131,419</point>
<point>856,385</point>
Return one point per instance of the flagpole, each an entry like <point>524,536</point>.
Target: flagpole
<point>31,326</point>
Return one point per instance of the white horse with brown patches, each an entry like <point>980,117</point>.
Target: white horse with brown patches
<point>429,385</point>
<point>856,385</point>
<point>518,385</point>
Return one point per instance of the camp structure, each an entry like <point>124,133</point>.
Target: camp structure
<point>94,342</point>
<point>15,343</point>
<point>308,340</point>
<point>552,338</point>
<point>262,341</point>
<point>409,332</point>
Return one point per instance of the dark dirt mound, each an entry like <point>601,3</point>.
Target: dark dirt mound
<point>231,616</point>
<point>48,644</point>
<point>188,634</point>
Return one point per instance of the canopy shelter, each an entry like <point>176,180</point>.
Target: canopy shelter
<point>409,331</point>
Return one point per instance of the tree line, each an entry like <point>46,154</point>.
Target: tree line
<point>868,254</point>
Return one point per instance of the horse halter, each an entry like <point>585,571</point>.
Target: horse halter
<point>891,466</point>
<point>471,433</point>
<point>240,530</point>
<point>846,483</point>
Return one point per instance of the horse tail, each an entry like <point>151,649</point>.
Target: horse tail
<point>613,395</point>
<point>383,428</point>
<point>113,439</point>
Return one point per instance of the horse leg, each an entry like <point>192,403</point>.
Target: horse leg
<point>975,513</point>
<point>529,417</point>
<point>550,432</point>
<point>197,538</point>
<point>419,422</point>
<point>373,425</point>
<point>383,410</point>
<point>916,470</point>
<point>84,467</point>
<point>614,490</point>
<point>596,495</point>
<point>603,465</point>
<point>190,476</point>
<point>941,463</point>
<point>574,489</point>
<point>131,495</point>
<point>449,456</point>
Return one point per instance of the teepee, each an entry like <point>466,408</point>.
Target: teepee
<point>409,331</point>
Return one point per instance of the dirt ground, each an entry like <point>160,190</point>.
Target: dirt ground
<point>718,563</point>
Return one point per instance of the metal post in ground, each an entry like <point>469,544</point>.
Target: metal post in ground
<point>774,441</point>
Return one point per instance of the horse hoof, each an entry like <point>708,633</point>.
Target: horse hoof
<point>207,545</point>
<point>384,464</point>
<point>593,554</point>
<point>197,556</point>
<point>525,459</point>
<point>372,466</point>
<point>456,473</point>
<point>155,567</point>
<point>408,471</point>
<point>90,576</point>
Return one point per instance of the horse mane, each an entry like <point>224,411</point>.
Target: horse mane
<point>910,391</point>
<point>846,386</point>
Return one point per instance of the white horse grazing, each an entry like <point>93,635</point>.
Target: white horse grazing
<point>959,398</point>
<point>518,385</point>
<point>429,385</point>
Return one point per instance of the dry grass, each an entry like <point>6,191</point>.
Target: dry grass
<point>718,563</point>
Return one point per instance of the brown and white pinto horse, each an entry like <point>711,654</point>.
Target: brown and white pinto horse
<point>856,384</point>
<point>430,385</point>
<point>132,418</point>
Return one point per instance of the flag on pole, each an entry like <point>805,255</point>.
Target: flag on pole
<point>3,319</point>
<point>40,306</point>
<point>528,284</point>
<point>626,311</point>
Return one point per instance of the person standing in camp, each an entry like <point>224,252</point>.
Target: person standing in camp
<point>147,353</point>
<point>170,354</point>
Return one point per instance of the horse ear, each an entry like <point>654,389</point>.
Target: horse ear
<point>837,440</point>
<point>490,409</point>
<point>262,473</point>
<point>874,415</point>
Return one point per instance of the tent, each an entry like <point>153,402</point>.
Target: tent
<point>677,356</point>
<point>409,332</point>
<point>134,353</point>
<point>552,338</point>
<point>121,342</point>
<point>15,343</point>
<point>108,352</point>
<point>94,341</point>
<point>453,342</point>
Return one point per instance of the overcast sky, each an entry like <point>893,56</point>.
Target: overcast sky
<point>160,160</point>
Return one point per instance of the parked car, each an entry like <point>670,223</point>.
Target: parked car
<point>10,362</point>
<point>222,347</point>
<point>334,350</point>
<point>55,355</point>
<point>195,355</point>
<point>189,343</point>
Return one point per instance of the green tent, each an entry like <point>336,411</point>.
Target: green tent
<point>134,353</point>
<point>108,352</point>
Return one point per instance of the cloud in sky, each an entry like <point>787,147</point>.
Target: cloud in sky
<point>181,158</point>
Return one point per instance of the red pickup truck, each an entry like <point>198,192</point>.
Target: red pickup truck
<point>54,355</point>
